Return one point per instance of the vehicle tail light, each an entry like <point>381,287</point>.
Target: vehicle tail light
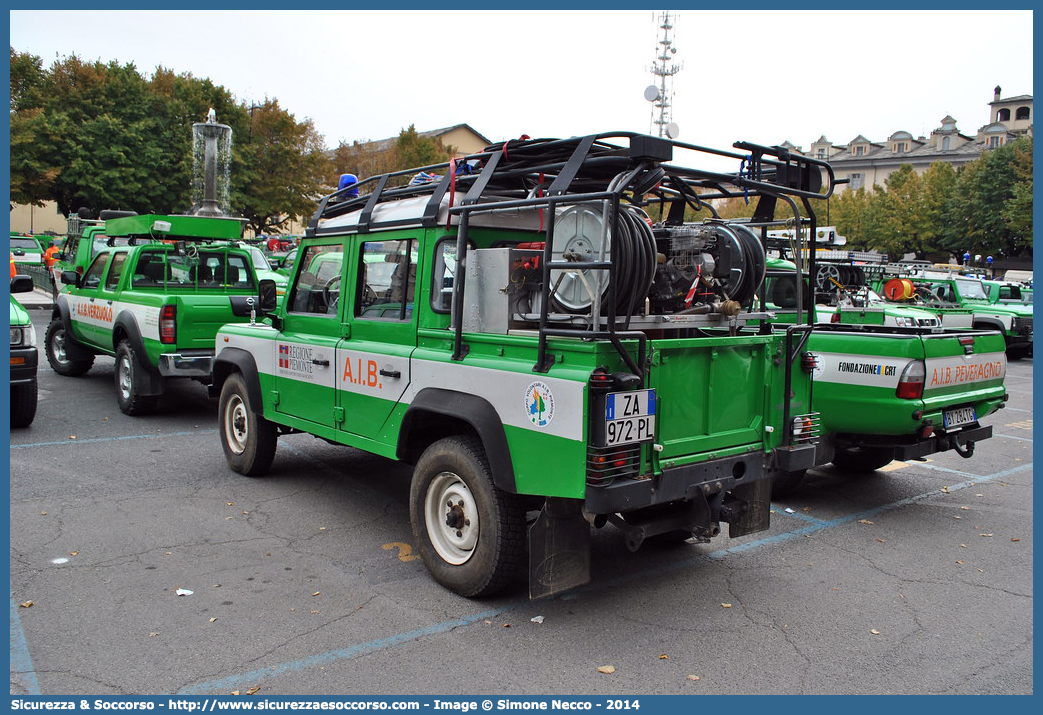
<point>600,379</point>
<point>910,384</point>
<point>926,431</point>
<point>967,341</point>
<point>835,318</point>
<point>168,324</point>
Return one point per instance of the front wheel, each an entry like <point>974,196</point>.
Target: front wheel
<point>57,355</point>
<point>128,383</point>
<point>471,534</point>
<point>862,459</point>
<point>248,439</point>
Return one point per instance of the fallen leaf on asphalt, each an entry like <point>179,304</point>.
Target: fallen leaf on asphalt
<point>488,623</point>
<point>960,562</point>
<point>229,517</point>
<point>691,677</point>
<point>726,605</point>
<point>1015,539</point>
<point>664,656</point>
<point>315,612</point>
<point>945,489</point>
<point>986,534</point>
<point>230,503</point>
<point>317,593</point>
<point>212,620</point>
<point>253,690</point>
<point>957,517</point>
<point>72,436</point>
<point>26,604</point>
<point>864,521</point>
<point>965,508</point>
<point>153,634</point>
<point>882,541</point>
<point>963,546</point>
<point>183,592</point>
<point>74,553</point>
<point>506,625</point>
<point>608,669</point>
<point>235,692</point>
<point>536,619</point>
<point>874,631</point>
<point>979,495</point>
<point>43,513</point>
<point>322,528</point>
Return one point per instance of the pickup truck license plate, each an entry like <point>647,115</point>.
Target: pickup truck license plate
<point>629,417</point>
<point>959,417</point>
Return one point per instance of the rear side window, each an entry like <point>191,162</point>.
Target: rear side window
<point>196,269</point>
<point>317,289</point>
<point>92,278</point>
<point>118,261</point>
<point>387,280</point>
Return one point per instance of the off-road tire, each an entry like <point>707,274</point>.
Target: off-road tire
<point>248,439</point>
<point>57,358</point>
<point>23,404</point>
<point>483,550</point>
<point>862,459</point>
<point>127,377</point>
<point>783,483</point>
<point>1022,351</point>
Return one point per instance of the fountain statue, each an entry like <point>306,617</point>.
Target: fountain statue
<point>211,166</point>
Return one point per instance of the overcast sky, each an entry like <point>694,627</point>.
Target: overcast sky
<point>760,76</point>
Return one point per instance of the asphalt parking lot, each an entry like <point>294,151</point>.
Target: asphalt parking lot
<point>916,579</point>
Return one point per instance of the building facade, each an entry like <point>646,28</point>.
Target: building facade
<point>865,163</point>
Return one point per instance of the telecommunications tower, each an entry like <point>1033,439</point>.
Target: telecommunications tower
<point>663,68</point>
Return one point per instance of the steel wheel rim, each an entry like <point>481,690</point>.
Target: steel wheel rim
<point>237,431</point>
<point>124,377</point>
<point>58,347</point>
<point>451,518</point>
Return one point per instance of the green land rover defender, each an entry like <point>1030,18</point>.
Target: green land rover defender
<point>521,329</point>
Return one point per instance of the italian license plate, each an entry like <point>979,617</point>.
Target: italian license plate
<point>629,417</point>
<point>959,417</point>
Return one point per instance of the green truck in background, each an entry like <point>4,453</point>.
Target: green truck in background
<point>24,357</point>
<point>155,303</point>
<point>522,332</point>
<point>890,383</point>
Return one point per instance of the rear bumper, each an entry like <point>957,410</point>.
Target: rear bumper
<point>676,484</point>
<point>939,442</point>
<point>187,364</point>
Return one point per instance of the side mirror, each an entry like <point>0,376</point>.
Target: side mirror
<point>71,278</point>
<point>268,298</point>
<point>21,284</point>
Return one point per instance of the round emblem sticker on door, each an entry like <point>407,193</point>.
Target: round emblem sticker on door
<point>539,404</point>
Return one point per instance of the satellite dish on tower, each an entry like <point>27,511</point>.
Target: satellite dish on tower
<point>651,93</point>
<point>672,130</point>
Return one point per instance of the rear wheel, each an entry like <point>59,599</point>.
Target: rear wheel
<point>862,459</point>
<point>248,439</point>
<point>1022,351</point>
<point>23,404</point>
<point>128,383</point>
<point>471,534</point>
<point>783,483</point>
<point>57,355</point>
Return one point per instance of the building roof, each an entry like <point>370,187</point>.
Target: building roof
<point>1019,98</point>
<point>382,144</point>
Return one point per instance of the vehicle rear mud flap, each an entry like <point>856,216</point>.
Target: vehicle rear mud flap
<point>559,548</point>
<point>750,509</point>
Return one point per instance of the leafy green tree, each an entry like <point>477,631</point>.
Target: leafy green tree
<point>978,220</point>
<point>409,150</point>
<point>284,164</point>
<point>1017,209</point>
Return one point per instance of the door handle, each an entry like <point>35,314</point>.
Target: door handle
<point>390,373</point>
<point>324,363</point>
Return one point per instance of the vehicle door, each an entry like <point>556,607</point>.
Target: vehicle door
<point>380,335</point>
<point>90,319</point>
<point>305,360</point>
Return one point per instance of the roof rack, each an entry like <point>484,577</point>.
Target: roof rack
<point>611,170</point>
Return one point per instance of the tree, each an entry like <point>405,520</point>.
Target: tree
<point>409,150</point>
<point>1017,210</point>
<point>284,163</point>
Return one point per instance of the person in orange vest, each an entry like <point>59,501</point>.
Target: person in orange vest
<point>51,254</point>
<point>13,271</point>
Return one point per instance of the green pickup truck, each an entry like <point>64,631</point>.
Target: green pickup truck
<point>524,334</point>
<point>153,305</point>
<point>888,390</point>
<point>944,294</point>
